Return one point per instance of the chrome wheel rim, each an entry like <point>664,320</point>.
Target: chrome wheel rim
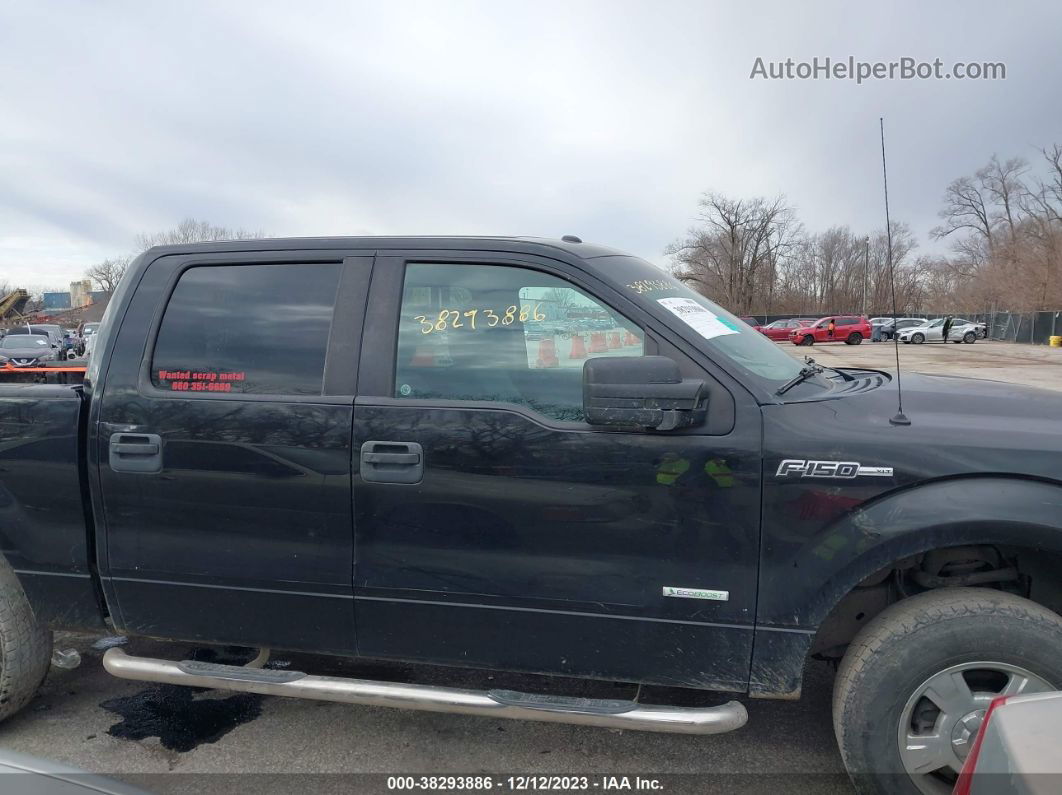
<point>940,720</point>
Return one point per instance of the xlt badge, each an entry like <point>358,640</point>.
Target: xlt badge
<point>844,470</point>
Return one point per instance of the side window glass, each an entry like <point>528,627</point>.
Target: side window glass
<point>503,334</point>
<point>250,329</point>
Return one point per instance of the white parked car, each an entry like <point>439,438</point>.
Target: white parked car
<point>933,331</point>
<point>888,328</point>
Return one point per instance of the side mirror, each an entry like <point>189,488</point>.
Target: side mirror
<point>641,392</point>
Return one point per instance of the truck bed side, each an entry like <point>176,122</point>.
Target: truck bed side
<point>44,532</point>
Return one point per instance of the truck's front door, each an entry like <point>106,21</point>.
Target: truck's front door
<point>224,450</point>
<point>494,527</point>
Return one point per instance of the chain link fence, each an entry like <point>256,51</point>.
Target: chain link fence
<point>1030,327</point>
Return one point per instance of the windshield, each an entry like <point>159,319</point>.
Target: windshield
<point>22,341</point>
<point>722,335</point>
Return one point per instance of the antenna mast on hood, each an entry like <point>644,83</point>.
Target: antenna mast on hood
<point>900,418</point>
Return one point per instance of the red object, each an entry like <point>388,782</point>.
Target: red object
<point>578,347</point>
<point>781,332</point>
<point>629,339</point>
<point>845,327</point>
<point>422,357</point>
<point>614,340</point>
<point>597,342</point>
<point>969,767</point>
<point>547,354</point>
<point>7,368</point>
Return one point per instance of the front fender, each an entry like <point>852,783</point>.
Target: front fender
<point>802,580</point>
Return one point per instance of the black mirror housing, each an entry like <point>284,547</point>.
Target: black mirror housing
<point>641,392</point>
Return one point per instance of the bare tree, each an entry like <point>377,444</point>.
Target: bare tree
<point>732,253</point>
<point>108,273</point>
<point>1006,224</point>
<point>966,207</point>
<point>191,230</point>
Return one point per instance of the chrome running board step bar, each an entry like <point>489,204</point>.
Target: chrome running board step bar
<point>611,713</point>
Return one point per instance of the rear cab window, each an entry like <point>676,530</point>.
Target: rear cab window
<point>257,329</point>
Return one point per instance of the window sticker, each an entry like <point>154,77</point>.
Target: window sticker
<point>650,286</point>
<point>195,381</point>
<point>698,318</point>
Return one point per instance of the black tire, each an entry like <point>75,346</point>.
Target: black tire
<point>854,338</point>
<point>910,642</point>
<point>25,646</point>
<point>969,337</point>
<point>807,339</point>
<point>918,339</point>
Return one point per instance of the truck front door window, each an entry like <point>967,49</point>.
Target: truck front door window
<point>503,334</point>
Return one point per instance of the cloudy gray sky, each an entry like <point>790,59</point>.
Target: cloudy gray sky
<point>602,119</point>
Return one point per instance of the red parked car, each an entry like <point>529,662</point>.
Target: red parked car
<point>850,329</point>
<point>779,330</point>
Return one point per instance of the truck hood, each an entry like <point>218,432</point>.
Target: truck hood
<point>959,426</point>
<point>988,403</point>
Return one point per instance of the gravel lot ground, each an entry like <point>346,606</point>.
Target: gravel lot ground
<point>173,740</point>
<point>1035,365</point>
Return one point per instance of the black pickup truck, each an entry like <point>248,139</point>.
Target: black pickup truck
<point>528,455</point>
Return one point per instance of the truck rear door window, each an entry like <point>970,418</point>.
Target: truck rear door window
<point>247,329</point>
<point>503,334</point>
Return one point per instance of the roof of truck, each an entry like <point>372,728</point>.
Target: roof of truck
<point>472,243</point>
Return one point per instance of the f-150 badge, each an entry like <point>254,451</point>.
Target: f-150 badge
<point>843,470</point>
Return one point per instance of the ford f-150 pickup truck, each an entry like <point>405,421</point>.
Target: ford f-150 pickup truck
<point>528,455</point>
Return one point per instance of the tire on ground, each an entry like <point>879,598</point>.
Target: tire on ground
<point>25,646</point>
<point>912,640</point>
<point>854,338</point>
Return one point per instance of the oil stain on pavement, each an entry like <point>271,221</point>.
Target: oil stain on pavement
<point>181,717</point>
<point>177,718</point>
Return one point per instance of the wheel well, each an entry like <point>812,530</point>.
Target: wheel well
<point>1024,571</point>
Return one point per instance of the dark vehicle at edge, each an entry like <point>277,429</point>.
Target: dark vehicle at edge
<point>26,350</point>
<point>414,479</point>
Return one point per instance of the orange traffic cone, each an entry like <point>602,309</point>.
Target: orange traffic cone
<point>614,341</point>
<point>547,354</point>
<point>578,347</point>
<point>597,342</point>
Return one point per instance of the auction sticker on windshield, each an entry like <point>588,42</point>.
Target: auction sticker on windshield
<point>698,318</point>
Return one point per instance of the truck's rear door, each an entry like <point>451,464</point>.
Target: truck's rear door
<point>495,527</point>
<point>224,449</point>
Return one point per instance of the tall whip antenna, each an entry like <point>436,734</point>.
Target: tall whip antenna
<point>900,418</point>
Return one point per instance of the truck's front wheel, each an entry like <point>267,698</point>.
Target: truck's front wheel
<point>915,683</point>
<point>25,646</point>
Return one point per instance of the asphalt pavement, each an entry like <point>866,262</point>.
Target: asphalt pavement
<point>167,739</point>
